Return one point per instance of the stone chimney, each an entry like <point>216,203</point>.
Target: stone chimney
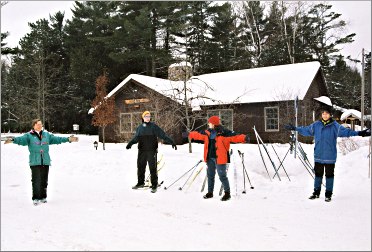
<point>180,71</point>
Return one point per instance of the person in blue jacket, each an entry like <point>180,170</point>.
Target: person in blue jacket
<point>38,141</point>
<point>325,132</point>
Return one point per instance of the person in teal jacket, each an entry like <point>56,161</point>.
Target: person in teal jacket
<point>325,133</point>
<point>38,141</point>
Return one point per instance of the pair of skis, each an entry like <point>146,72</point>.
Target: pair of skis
<point>159,166</point>
<point>245,174</point>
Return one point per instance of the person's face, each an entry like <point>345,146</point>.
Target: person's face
<point>210,125</point>
<point>325,116</point>
<point>147,118</point>
<point>38,126</point>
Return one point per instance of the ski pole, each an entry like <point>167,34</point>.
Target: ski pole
<point>267,152</point>
<point>235,175</point>
<point>205,180</point>
<point>157,166</point>
<point>246,173</point>
<point>244,191</point>
<point>193,179</point>
<point>165,188</point>
<point>188,177</point>
<point>258,145</point>
<point>221,188</point>
<point>296,133</point>
<point>281,163</point>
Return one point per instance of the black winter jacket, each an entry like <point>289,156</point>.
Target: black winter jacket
<point>147,137</point>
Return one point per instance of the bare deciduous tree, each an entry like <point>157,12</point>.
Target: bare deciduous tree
<point>104,108</point>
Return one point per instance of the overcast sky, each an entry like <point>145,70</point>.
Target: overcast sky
<point>15,16</point>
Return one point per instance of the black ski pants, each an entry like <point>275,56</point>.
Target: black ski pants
<point>145,157</point>
<point>39,179</point>
<point>329,170</point>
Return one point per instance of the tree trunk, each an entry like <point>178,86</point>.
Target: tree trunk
<point>103,137</point>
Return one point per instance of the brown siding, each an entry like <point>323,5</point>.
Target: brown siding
<point>157,103</point>
<point>245,115</point>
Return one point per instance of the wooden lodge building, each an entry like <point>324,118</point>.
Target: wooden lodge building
<point>260,97</point>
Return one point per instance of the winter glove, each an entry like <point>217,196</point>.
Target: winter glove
<point>364,133</point>
<point>185,134</point>
<point>128,146</point>
<point>72,138</point>
<point>174,146</point>
<point>289,127</point>
<point>247,139</point>
<point>9,140</point>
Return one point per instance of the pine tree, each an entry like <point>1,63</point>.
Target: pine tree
<point>344,85</point>
<point>321,35</point>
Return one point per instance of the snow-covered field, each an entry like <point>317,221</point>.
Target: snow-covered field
<point>91,205</point>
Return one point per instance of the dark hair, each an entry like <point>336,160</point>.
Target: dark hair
<point>329,109</point>
<point>35,122</point>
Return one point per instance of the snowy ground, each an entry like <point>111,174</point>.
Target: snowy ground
<point>91,205</point>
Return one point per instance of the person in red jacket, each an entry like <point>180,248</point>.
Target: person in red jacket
<point>216,152</point>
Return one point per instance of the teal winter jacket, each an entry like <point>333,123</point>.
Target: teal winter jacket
<point>39,146</point>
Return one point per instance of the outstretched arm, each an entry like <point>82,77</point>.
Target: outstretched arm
<point>58,140</point>
<point>234,137</point>
<point>238,139</point>
<point>22,140</point>
<point>161,134</point>
<point>303,130</point>
<point>197,136</point>
<point>344,132</point>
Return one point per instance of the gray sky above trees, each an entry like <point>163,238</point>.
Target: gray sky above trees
<point>16,15</point>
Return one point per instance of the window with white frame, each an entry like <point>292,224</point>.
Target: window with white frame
<point>272,119</point>
<point>225,115</point>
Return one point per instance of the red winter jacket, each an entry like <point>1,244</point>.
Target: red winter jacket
<point>223,139</point>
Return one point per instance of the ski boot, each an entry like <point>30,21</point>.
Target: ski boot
<point>138,186</point>
<point>208,195</point>
<point>227,196</point>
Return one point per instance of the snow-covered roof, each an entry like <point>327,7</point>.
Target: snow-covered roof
<point>324,99</point>
<point>351,113</point>
<point>339,108</point>
<point>265,84</point>
<point>163,86</point>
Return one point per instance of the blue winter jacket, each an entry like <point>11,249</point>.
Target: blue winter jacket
<point>325,136</point>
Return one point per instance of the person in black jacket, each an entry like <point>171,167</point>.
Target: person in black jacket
<point>147,138</point>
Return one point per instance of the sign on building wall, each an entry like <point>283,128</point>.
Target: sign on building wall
<point>135,101</point>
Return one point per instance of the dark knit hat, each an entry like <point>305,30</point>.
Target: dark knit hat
<point>215,120</point>
<point>327,109</point>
